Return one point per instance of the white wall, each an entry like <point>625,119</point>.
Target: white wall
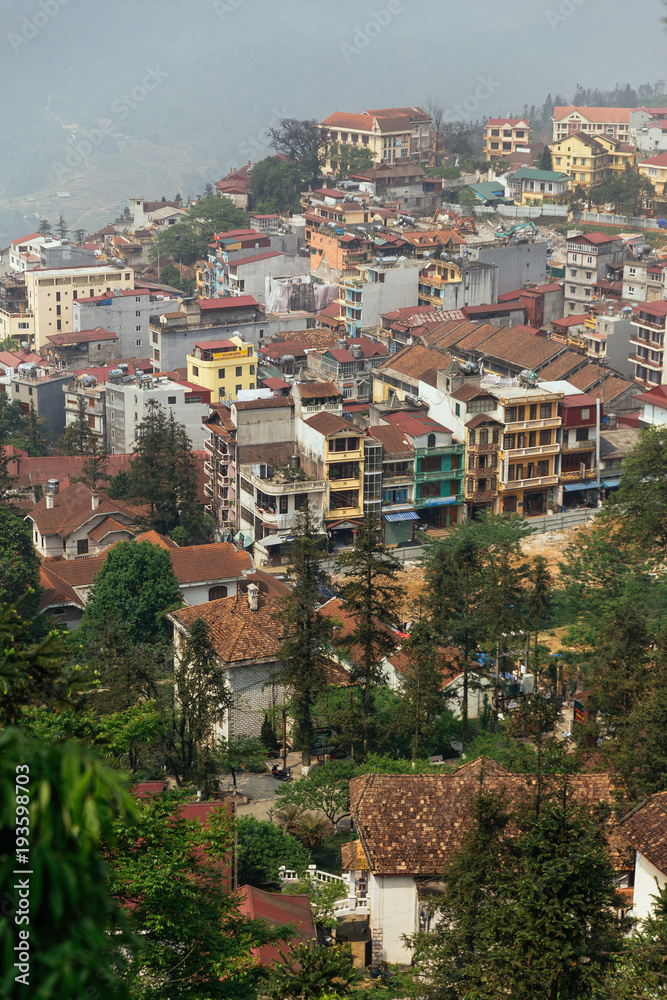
<point>645,886</point>
<point>393,905</point>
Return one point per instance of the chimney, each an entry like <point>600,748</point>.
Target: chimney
<point>95,500</point>
<point>253,596</point>
<point>49,501</point>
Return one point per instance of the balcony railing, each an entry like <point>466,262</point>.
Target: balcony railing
<point>651,324</point>
<point>544,449</point>
<point>440,474</point>
<point>397,480</point>
<point>588,445</point>
<point>482,495</point>
<point>484,447</point>
<point>279,489</point>
<point>575,477</point>
<point>339,513</point>
<point>532,425</point>
<point>517,484</point>
<point>637,360</point>
<point>647,342</point>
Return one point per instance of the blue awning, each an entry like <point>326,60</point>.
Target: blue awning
<point>608,483</point>
<point>569,487</point>
<point>403,515</point>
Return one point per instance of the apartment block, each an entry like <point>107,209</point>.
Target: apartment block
<point>127,406</point>
<point>588,256</point>
<point>391,135</point>
<point>647,343</point>
<point>574,121</point>
<point>223,367</point>
<point>127,313</point>
<point>503,136</point>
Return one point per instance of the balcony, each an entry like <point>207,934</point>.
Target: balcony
<point>637,360</point>
<point>397,480</point>
<point>518,484</point>
<point>651,324</point>
<point>588,445</point>
<point>480,495</point>
<point>532,425</point>
<point>340,513</point>
<point>354,483</point>
<point>281,489</point>
<point>279,521</point>
<point>543,449</point>
<point>575,477</point>
<point>484,447</point>
<point>653,345</point>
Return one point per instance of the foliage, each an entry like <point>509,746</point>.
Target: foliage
<point>533,910</point>
<point>303,141</point>
<point>74,439</point>
<point>171,874</point>
<point>311,973</point>
<point>19,564</point>
<point>95,468</point>
<point>444,173</point>
<point>545,161</point>
<point>421,685</point>
<point>628,192</point>
<point>372,596</point>
<point>308,633</point>
<point>268,736</point>
<point>120,486</point>
<point>322,896</point>
<point>262,849</point>
<point>325,789</point>
<point>240,752</point>
<point>134,589</point>
<point>276,185</point>
<point>77,934</point>
<point>346,159</point>
<point>200,697</point>
<point>9,344</point>
<point>641,750</point>
<point>31,433</point>
<point>641,499</point>
<point>521,757</point>
<point>188,241</point>
<point>640,969</point>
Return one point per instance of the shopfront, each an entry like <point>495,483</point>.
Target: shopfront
<point>399,527</point>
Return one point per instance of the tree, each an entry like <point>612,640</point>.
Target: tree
<point>75,439</point>
<point>79,236</point>
<point>639,971</point>
<point>435,109</point>
<point>95,468</point>
<point>32,433</point>
<point>545,161</point>
<point>312,973</point>
<point>268,736</point>
<point>303,141</point>
<point>308,633</point>
<point>240,752</point>
<point>346,159</point>
<point>134,590</point>
<point>201,696</point>
<point>641,499</point>
<point>171,876</point>
<point>76,934</point>
<point>19,564</point>
<point>45,228</point>
<point>262,849</point>
<point>276,185</point>
<point>209,191</point>
<point>540,582</point>
<point>628,192</point>
<point>372,597</point>
<point>641,750</point>
<point>421,686</point>
<point>188,240</point>
<point>9,344</point>
<point>532,911</point>
<point>326,789</point>
<point>61,227</point>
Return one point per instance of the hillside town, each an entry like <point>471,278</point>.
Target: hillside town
<point>332,554</point>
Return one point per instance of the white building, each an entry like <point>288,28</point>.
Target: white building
<point>645,828</point>
<point>127,406</point>
<point>78,522</point>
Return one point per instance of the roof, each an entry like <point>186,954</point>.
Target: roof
<point>282,348</point>
<point>56,590</point>
<point>469,391</point>
<point>412,824</point>
<point>595,115</point>
<point>561,366</point>
<point>236,631</point>
<point>318,390</point>
<point>656,396</point>
<point>531,174</point>
<point>413,361</point>
<point>516,347</point>
<point>253,260</point>
<point>108,526</point>
<point>217,561</point>
<point>646,829</point>
<point>586,376</point>
<point>278,909</point>
<point>67,339</point>
<point>652,308</point>
<point>329,423</point>
<point>72,508</point>
<point>393,439</point>
<point>272,403</point>
<point>230,302</point>
<point>414,114</point>
<point>611,388</point>
<point>594,238</point>
<point>482,418</point>
<point>416,424</point>
<point>341,119</point>
<point>508,121</point>
<point>657,161</point>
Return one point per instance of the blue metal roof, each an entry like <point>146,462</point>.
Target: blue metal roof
<point>610,482</point>
<point>569,487</point>
<point>403,515</point>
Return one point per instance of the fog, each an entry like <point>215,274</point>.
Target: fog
<point>159,97</point>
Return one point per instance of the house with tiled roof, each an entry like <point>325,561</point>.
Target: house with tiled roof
<point>78,521</point>
<point>504,136</point>
<point>350,365</point>
<point>645,828</point>
<point>278,909</point>
<point>410,827</point>
<point>246,634</point>
<point>389,134</point>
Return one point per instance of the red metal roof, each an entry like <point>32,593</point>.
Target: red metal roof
<point>229,302</point>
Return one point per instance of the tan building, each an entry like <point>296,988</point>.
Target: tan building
<point>503,136</point>
<point>51,291</point>
<point>225,367</point>
<point>391,135</point>
<point>656,170</point>
<point>613,122</point>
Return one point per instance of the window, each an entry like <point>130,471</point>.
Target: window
<point>533,411</point>
<point>510,473</point>
<point>239,371</point>
<point>427,490</point>
<point>545,437</point>
<point>471,462</point>
<point>221,372</point>
<point>585,413</point>
<point>138,343</point>
<point>195,371</point>
<point>471,437</point>
<point>581,434</point>
<point>137,312</point>
<point>82,547</point>
<point>127,276</point>
<point>138,328</point>
<point>171,400</point>
<point>252,369</point>
<point>471,485</point>
<point>239,388</point>
<point>283,505</point>
<point>510,414</point>
<point>430,442</point>
<point>300,500</point>
<point>59,323</point>
<point>543,468</point>
<point>217,593</point>
<point>545,411</point>
<point>509,442</point>
<point>58,295</point>
<point>457,409</point>
<point>484,436</point>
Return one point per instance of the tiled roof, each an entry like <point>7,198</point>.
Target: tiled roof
<point>413,824</point>
<point>56,590</point>
<point>588,376</point>
<point>217,561</point>
<point>393,439</point>
<point>595,115</point>
<point>414,114</point>
<point>646,829</point>
<point>329,423</point>
<point>562,365</point>
<point>341,119</point>
<point>272,403</point>
<point>480,334</point>
<point>352,856</point>
<point>611,388</point>
<point>413,361</point>
<point>508,121</point>
<point>469,391</point>
<point>237,632</point>
<point>282,348</point>
<point>65,339</point>
<point>658,161</point>
<point>107,527</point>
<point>72,508</point>
<point>318,390</point>
<point>416,424</point>
<point>594,238</point>
<point>517,348</point>
<point>482,418</point>
<point>230,302</point>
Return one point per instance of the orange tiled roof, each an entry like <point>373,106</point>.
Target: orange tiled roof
<point>237,632</point>
<point>646,829</point>
<point>72,508</point>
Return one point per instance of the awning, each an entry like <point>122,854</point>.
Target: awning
<point>272,540</point>
<point>608,483</point>
<point>403,515</point>
<point>569,487</point>
<point>342,524</point>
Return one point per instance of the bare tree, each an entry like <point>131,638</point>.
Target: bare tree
<point>436,110</point>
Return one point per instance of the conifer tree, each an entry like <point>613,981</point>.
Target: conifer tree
<point>421,688</point>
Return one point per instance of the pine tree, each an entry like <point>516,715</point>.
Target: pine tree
<point>306,645</point>
<point>372,595</point>
<point>75,439</point>
<point>539,601</point>
<point>45,228</point>
<point>95,468</point>
<point>421,687</point>
<point>62,228</point>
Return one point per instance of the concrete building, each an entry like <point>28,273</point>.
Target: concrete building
<point>448,284</point>
<point>574,121</point>
<point>503,136</point>
<point>127,403</point>
<point>51,292</point>
<point>127,313</point>
<point>377,289</point>
<point>537,187</point>
<point>223,367</point>
<point>588,257</point>
<point>647,350</point>
<point>76,522</point>
<point>645,829</point>
<point>143,213</point>
<point>41,389</point>
<point>349,365</point>
<point>391,135</point>
<point>24,252</point>
<point>247,275</point>
<point>78,350</point>
<point>517,264</point>
<point>16,319</point>
<point>86,395</point>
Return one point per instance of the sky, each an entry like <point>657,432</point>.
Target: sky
<point>104,101</point>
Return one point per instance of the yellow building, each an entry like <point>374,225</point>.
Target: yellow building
<point>226,367</point>
<point>656,171</point>
<point>51,291</point>
<point>620,154</point>
<point>16,320</point>
<point>584,158</point>
<point>391,135</point>
<point>332,450</point>
<point>503,136</point>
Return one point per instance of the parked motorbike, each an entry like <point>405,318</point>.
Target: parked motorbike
<point>279,774</point>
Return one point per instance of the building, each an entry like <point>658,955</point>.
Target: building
<point>77,522</point>
<point>505,136</point>
<point>235,186</point>
<point>84,394</point>
<point>583,157</point>
<point>647,343</point>
<point>579,479</point>
<point>24,253</point>
<point>483,446</point>
<point>224,367</point>
<point>16,319</point>
<point>655,169</point>
<point>334,255</point>
<point>78,350</point>
<point>587,260</point>
<point>144,213</point>
<point>127,313</point>
<point>654,404</point>
<point>279,909</point>
<point>51,293</point>
<point>645,828</point>
<point>374,290</point>
<point>246,633</point>
<point>517,264</point>
<point>127,402</point>
<point>398,484</point>
<point>455,284</point>
<point>247,275</point>
<point>350,366</point>
<point>404,183</point>
<point>572,121</point>
<point>389,134</point>
<point>537,187</point>
<point>40,388</point>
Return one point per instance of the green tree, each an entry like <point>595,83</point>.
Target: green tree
<point>641,750</point>
<point>313,973</point>
<point>629,192</point>
<point>9,344</point>
<point>201,696</point>
<point>532,912</point>
<point>240,753</point>
<point>134,589</point>
<point>308,633</point>
<point>188,240</point>
<point>346,159</point>
<point>303,141</point>
<point>80,236</point>
<point>19,564</point>
<point>45,228</point>
<point>262,849</point>
<point>276,185</point>
<point>95,468</point>
<point>325,789</point>
<point>639,971</point>
<point>32,433</point>
<point>75,439</point>
<point>539,602</point>
<point>372,596</point>
<point>545,161</point>
<point>641,499</point>
<point>421,685</point>
<point>61,227</point>
<point>268,736</point>
<point>76,934</point>
<point>171,875</point>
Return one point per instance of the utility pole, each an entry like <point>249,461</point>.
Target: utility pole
<point>284,739</point>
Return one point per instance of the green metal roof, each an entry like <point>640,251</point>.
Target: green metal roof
<point>489,190</point>
<point>527,173</point>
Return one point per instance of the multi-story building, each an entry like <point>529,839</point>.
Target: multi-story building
<point>24,252</point>
<point>621,155</point>
<point>573,121</point>
<point>398,484</point>
<point>529,456</point>
<point>583,157</point>
<point>126,313</point>
<point>16,319</point>
<point>335,255</point>
<point>581,417</point>
<point>127,406</point>
<point>503,136</point>
<point>537,187</point>
<point>450,285</point>
<point>587,258</point>
<point>350,365</point>
<point>78,350</point>
<point>51,292</point>
<point>247,275</point>
<point>655,169</point>
<point>85,395</point>
<point>41,389</point>
<point>438,496</point>
<point>389,134</point>
<point>647,350</point>
<point>223,367</point>
<point>483,445</point>
<point>516,264</point>
<point>377,289</point>
<point>270,498</point>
